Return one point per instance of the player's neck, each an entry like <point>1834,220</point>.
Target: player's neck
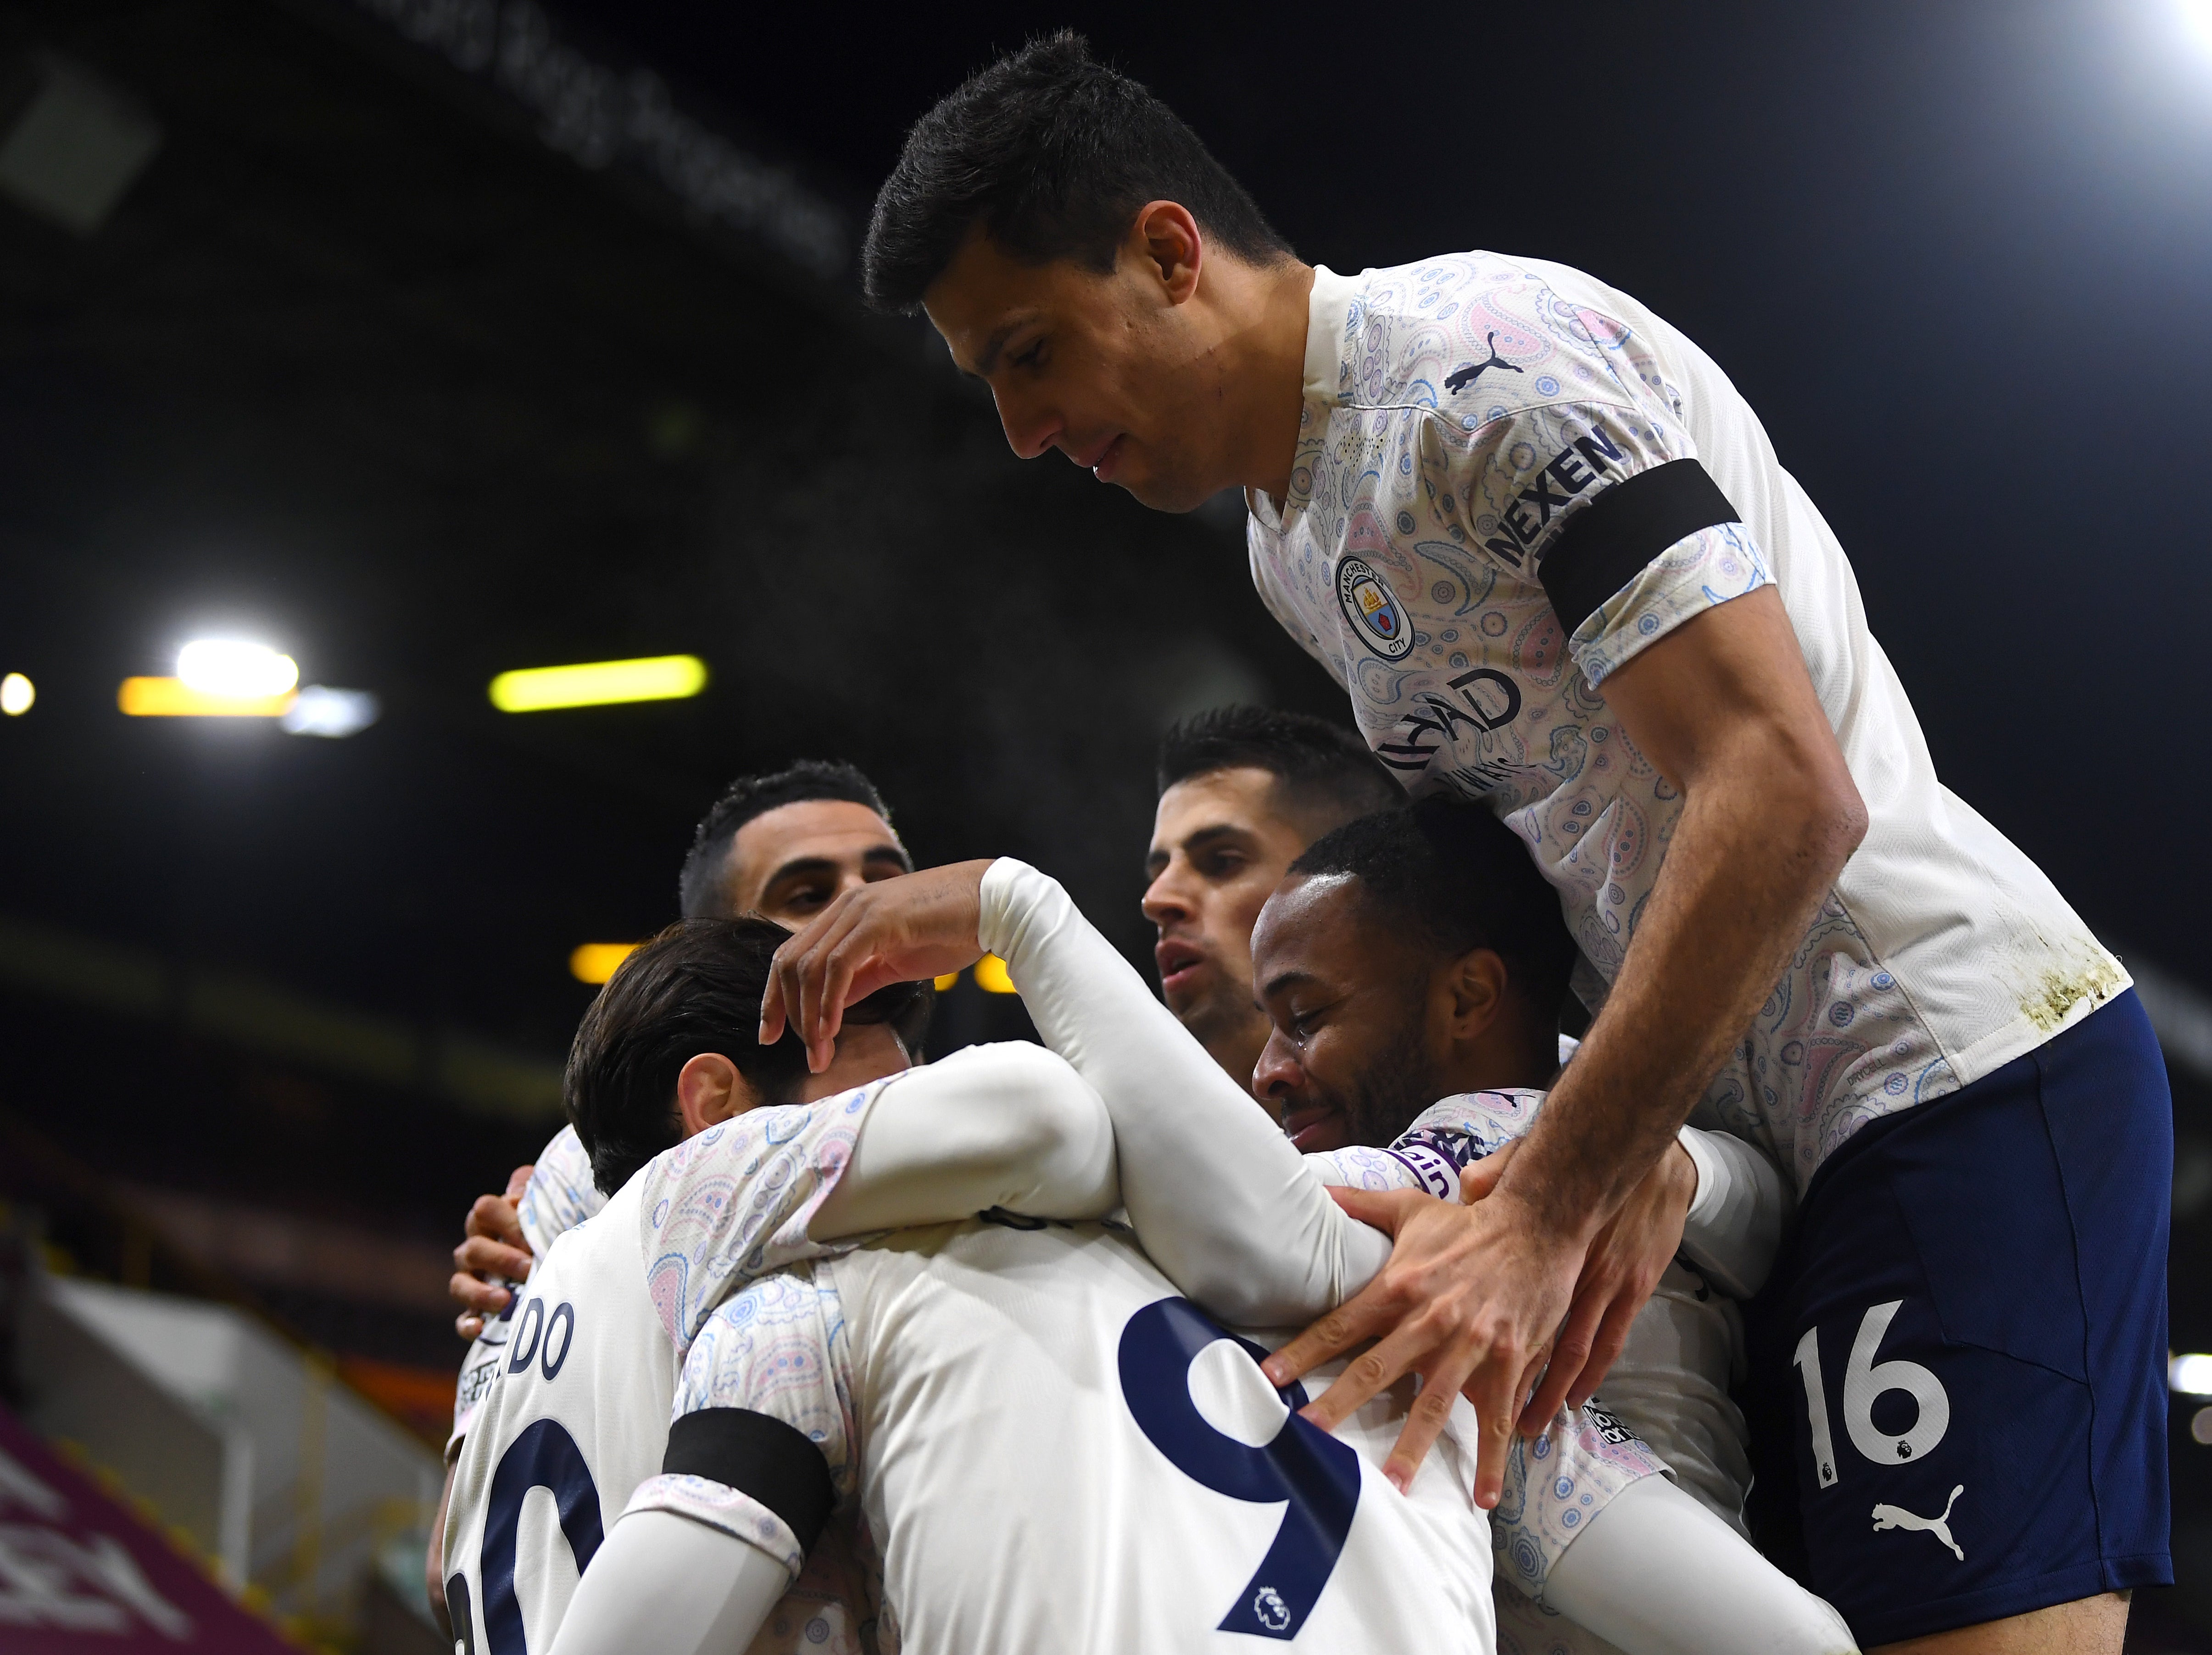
<point>1262,354</point>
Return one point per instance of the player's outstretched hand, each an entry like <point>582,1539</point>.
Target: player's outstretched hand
<point>1468,1301</point>
<point>897,930</point>
<point>492,1245</point>
<point>1623,1265</point>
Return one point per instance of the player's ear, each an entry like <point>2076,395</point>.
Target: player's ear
<point>708,1088</point>
<point>1477,981</point>
<point>1167,237</point>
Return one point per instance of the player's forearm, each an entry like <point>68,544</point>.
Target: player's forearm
<point>665,1583</point>
<point>1762,837</point>
<point>991,1127</point>
<point>1222,1201</point>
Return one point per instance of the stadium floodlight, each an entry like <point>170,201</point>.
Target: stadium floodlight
<point>991,975</point>
<point>225,667</point>
<point>595,962</point>
<point>173,698</point>
<point>16,695</point>
<point>2189,1376</point>
<point>599,684</point>
<point>334,714</point>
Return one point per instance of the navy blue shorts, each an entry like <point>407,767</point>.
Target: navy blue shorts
<point>1958,1395</point>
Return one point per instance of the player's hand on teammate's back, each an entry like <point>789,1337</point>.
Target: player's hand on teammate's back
<point>897,930</point>
<point>1623,1267</point>
<point>492,1246</point>
<point>1477,1299</point>
<point>1468,1300</point>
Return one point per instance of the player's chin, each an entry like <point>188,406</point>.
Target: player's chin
<point>1163,492</point>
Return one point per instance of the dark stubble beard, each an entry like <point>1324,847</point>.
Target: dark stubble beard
<point>1391,1090</point>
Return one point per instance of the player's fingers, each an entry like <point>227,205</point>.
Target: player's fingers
<point>518,1181</point>
<point>822,1006</point>
<point>495,1218</point>
<point>1605,1349</point>
<point>1425,1419</point>
<point>1481,1177</point>
<point>1494,1388</point>
<point>475,1296</point>
<point>1385,1209</point>
<point>1569,1352</point>
<point>1357,1318</point>
<point>483,1257</point>
<point>1372,1372</point>
<point>468,1325</point>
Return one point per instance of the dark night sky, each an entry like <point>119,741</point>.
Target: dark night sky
<point>1958,256</point>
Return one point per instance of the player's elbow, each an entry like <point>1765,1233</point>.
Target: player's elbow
<point>1806,798</point>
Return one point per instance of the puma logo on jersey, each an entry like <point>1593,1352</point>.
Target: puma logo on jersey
<point>1474,371</point>
<point>1896,1517</point>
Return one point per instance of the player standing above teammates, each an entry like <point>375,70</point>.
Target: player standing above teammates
<point>1548,550</point>
<point>1242,791</point>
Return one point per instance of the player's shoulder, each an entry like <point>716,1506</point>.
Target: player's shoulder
<point>1472,1124</point>
<point>561,1193</point>
<point>1473,338</point>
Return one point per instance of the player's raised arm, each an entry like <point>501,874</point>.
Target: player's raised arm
<point>1223,1202</point>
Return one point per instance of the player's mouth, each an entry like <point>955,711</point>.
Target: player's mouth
<point>1109,459</point>
<point>1180,963</point>
<point>1314,1127</point>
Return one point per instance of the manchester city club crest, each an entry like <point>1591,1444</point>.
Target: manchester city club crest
<point>1374,612</point>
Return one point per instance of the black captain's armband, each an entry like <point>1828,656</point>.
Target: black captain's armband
<point>1606,543</point>
<point>757,1455</point>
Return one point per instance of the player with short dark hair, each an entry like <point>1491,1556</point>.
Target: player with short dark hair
<point>695,988</point>
<point>719,877</point>
<point>1550,556</point>
<point>1242,791</point>
<point>1052,154</point>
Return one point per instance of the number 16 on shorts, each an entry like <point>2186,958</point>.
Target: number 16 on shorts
<point>1865,1380</point>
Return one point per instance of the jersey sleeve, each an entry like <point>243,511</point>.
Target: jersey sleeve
<point>733,1204</point>
<point>1554,1484</point>
<point>1601,499</point>
<point>560,1195</point>
<point>761,1438</point>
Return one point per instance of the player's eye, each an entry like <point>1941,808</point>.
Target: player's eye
<point>1033,357</point>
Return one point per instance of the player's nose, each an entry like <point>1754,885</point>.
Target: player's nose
<point>1030,426</point>
<point>1164,902</point>
<point>1279,1075</point>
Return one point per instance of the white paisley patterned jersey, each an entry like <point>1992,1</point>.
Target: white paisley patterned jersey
<point>1055,1452</point>
<point>575,1414</point>
<point>1510,478</point>
<point>559,1196</point>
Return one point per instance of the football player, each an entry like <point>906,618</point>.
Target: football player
<point>1548,550</point>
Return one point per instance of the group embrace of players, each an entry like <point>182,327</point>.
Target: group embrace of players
<point>1816,1302</point>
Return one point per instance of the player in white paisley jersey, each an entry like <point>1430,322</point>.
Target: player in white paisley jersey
<point>1451,489</point>
<point>1552,556</point>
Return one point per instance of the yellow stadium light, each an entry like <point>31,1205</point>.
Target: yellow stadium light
<point>16,695</point>
<point>174,698</point>
<point>991,975</point>
<point>595,962</point>
<point>599,684</point>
